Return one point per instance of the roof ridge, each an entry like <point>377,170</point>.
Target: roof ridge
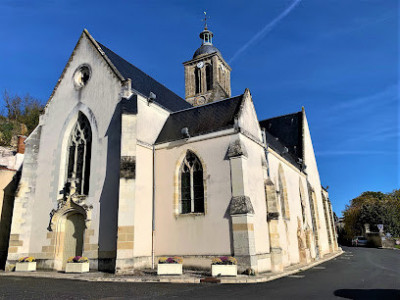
<point>103,54</point>
<point>280,116</point>
<point>207,104</point>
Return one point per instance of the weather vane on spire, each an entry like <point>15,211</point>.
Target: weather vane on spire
<point>206,35</point>
<point>205,20</point>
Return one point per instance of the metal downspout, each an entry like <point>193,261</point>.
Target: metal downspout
<point>153,210</point>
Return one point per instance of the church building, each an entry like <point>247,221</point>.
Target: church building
<point>123,171</point>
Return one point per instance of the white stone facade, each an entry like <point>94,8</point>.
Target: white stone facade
<point>132,213</point>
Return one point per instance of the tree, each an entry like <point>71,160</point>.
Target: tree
<point>373,208</point>
<point>20,116</point>
<point>13,106</point>
<point>393,213</point>
<point>32,109</point>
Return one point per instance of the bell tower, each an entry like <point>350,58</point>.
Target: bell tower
<point>207,74</point>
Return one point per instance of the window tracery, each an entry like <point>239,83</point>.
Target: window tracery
<point>79,155</point>
<point>192,186</point>
<point>302,202</point>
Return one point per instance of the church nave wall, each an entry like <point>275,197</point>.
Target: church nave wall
<point>289,226</point>
<point>206,233</point>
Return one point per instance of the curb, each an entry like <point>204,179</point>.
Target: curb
<point>190,280</point>
<point>283,274</point>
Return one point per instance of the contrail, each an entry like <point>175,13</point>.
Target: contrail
<point>265,30</point>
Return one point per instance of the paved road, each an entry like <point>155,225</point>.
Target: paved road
<point>359,273</point>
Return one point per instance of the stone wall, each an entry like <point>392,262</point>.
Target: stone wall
<point>221,74</point>
<point>44,173</point>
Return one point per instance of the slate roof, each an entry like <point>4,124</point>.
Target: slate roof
<point>286,131</point>
<point>145,84</point>
<point>278,147</point>
<point>203,119</point>
<point>206,49</point>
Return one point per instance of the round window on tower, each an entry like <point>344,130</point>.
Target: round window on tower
<point>82,76</point>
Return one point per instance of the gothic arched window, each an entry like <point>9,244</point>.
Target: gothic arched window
<point>283,197</point>
<point>209,77</point>
<point>302,202</point>
<point>197,79</point>
<point>79,154</point>
<point>192,187</point>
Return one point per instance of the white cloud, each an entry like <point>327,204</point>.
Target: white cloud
<point>267,28</point>
<point>390,94</point>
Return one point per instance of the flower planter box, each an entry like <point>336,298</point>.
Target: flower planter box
<point>169,269</point>
<point>25,267</point>
<point>77,267</point>
<point>223,270</point>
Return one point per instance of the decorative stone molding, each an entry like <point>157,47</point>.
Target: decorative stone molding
<point>70,203</point>
<point>236,149</point>
<point>126,89</point>
<point>82,75</point>
<point>272,216</point>
<point>241,205</point>
<point>269,182</point>
<point>128,167</point>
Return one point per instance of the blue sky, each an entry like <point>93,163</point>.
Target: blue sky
<point>338,58</point>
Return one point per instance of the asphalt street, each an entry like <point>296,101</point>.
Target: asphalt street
<point>360,273</point>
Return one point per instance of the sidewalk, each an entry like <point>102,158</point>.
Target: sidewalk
<point>188,276</point>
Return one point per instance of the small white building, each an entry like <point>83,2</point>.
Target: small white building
<point>10,165</point>
<point>122,170</point>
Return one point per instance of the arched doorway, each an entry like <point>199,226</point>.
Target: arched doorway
<point>73,236</point>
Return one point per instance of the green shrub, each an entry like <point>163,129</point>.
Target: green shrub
<point>6,133</point>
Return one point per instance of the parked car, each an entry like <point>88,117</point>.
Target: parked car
<point>359,241</point>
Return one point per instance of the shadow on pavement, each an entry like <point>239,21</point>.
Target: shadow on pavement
<point>368,294</point>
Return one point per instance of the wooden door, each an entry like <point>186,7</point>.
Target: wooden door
<point>73,236</point>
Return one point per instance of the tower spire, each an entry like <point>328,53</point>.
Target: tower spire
<point>207,75</point>
<point>206,35</point>
<point>205,20</point>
